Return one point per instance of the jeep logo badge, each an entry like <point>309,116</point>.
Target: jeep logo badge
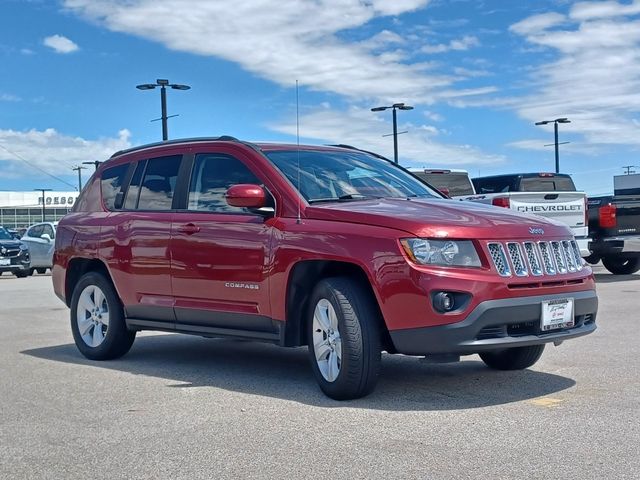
<point>536,231</point>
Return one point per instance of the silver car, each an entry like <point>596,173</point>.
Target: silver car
<point>41,240</point>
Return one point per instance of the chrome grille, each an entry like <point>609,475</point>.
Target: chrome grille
<point>496,250</point>
<point>532,256</point>
<point>522,259</point>
<point>576,254</point>
<point>517,260</point>
<point>10,253</point>
<point>558,256</point>
<point>568,254</point>
<point>549,266</point>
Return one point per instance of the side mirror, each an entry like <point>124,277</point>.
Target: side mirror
<point>246,195</point>
<point>445,192</point>
<point>46,236</point>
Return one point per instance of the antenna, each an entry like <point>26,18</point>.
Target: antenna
<point>299,220</point>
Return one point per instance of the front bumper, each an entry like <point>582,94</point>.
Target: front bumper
<point>15,264</point>
<point>497,324</point>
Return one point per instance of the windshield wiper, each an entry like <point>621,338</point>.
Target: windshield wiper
<point>343,198</point>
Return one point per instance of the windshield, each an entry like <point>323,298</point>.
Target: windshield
<point>339,176</point>
<point>4,235</point>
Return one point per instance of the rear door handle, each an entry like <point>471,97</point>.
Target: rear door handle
<point>189,229</point>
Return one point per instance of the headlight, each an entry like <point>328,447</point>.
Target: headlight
<point>446,253</point>
<point>23,247</point>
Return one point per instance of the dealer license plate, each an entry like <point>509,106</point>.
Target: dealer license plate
<point>557,314</point>
<point>5,261</point>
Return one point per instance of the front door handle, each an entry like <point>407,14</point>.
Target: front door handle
<point>189,229</point>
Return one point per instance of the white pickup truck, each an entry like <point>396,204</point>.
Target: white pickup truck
<point>550,195</point>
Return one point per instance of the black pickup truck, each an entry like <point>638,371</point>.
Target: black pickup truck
<point>614,228</point>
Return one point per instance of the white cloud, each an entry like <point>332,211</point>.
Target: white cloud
<point>53,151</point>
<point>8,97</point>
<point>460,44</point>
<point>537,23</point>
<point>362,129</point>
<point>595,78</point>
<point>60,44</point>
<point>285,41</point>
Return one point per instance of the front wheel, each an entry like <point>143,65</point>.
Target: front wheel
<point>516,358</point>
<point>621,266</point>
<point>21,273</point>
<point>344,338</point>
<point>97,319</point>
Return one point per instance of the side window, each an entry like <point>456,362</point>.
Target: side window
<point>36,231</point>
<point>211,176</point>
<point>48,229</point>
<point>111,182</point>
<point>131,200</point>
<point>159,183</point>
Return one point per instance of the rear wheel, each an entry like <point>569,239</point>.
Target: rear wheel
<point>517,358</point>
<point>344,339</point>
<point>97,319</point>
<point>621,266</point>
<point>41,271</point>
<point>21,273</point>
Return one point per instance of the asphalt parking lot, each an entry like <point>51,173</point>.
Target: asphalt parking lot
<point>189,407</point>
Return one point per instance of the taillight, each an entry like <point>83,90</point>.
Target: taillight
<point>501,202</point>
<point>607,214</point>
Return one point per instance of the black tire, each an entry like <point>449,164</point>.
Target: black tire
<point>117,338</point>
<point>31,271</point>
<point>22,273</point>
<point>41,271</point>
<point>359,326</point>
<point>621,266</point>
<point>592,259</point>
<point>517,358</point>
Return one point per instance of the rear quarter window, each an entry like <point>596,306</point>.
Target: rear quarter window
<point>111,183</point>
<point>547,184</point>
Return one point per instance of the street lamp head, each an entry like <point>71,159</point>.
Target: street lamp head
<point>563,120</point>
<point>177,86</point>
<point>545,122</point>
<point>405,107</point>
<point>162,82</point>
<point>379,109</point>
<point>397,105</point>
<point>146,86</point>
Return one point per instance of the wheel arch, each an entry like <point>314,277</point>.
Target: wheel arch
<point>78,267</point>
<point>303,277</point>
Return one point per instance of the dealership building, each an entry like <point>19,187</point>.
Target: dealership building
<point>21,209</point>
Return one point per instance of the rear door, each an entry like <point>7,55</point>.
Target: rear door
<point>220,254</point>
<point>135,240</point>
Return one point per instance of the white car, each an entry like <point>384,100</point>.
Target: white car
<point>41,240</point>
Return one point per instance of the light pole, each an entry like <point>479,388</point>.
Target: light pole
<point>163,84</point>
<point>95,163</point>
<point>394,107</point>
<point>555,130</point>
<point>42,190</point>
<point>79,169</point>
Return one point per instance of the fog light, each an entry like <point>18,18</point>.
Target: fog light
<point>443,302</point>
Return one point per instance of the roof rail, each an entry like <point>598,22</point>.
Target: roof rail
<point>342,145</point>
<point>221,138</point>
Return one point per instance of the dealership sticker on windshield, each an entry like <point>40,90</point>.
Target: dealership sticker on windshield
<point>557,314</point>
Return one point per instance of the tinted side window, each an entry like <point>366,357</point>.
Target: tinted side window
<point>211,176</point>
<point>131,200</point>
<point>111,182</point>
<point>494,185</point>
<point>159,183</point>
<point>36,231</point>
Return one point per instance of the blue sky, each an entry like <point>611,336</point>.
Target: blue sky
<point>479,74</point>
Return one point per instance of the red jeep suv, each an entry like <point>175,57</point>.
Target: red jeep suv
<point>330,247</point>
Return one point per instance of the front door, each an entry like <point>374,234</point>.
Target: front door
<point>220,253</point>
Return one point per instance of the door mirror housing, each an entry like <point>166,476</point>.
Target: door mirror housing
<point>246,195</point>
<point>46,236</point>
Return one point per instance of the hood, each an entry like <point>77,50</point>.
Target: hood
<point>440,218</point>
<point>12,244</point>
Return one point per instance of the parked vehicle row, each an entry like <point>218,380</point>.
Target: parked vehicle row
<point>334,248</point>
<point>33,252</point>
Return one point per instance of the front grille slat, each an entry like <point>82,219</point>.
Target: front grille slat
<point>517,260</point>
<point>568,255</point>
<point>499,259</point>
<point>547,258</point>
<point>576,254</point>
<point>532,257</point>
<point>558,256</point>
